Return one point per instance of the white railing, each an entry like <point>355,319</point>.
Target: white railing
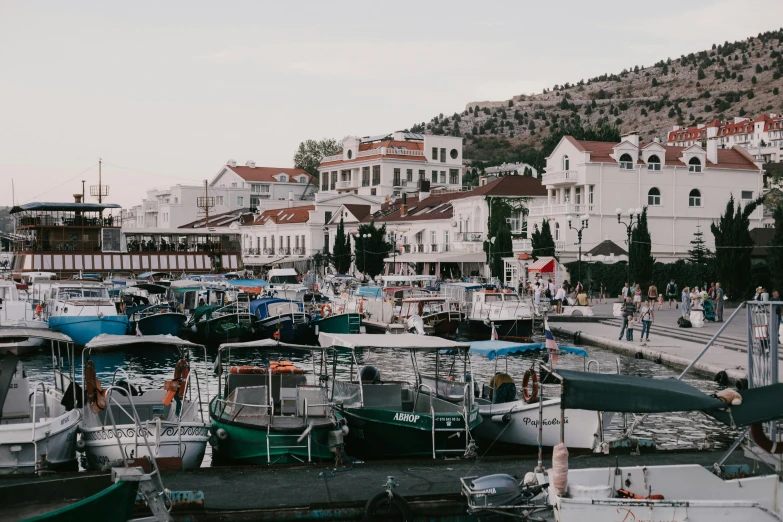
<point>150,206</point>
<point>383,151</point>
<point>561,209</point>
<point>470,236</point>
<point>336,157</point>
<point>560,245</point>
<point>564,176</point>
<point>522,245</point>
<point>347,185</point>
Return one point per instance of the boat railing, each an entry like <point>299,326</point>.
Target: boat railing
<point>597,366</point>
<point>432,412</point>
<point>34,396</point>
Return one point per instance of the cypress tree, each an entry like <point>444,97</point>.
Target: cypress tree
<point>733,245</point>
<point>341,255</point>
<point>641,248</point>
<point>775,257</point>
<point>370,252</point>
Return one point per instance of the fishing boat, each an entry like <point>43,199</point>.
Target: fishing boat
<point>216,311</point>
<point>156,317</point>
<point>439,315</point>
<point>325,319</point>
<point>82,311</point>
<point>17,312</point>
<point>284,283</point>
<point>171,417</point>
<point>511,316</point>
<point>273,411</point>
<point>38,423</point>
<point>391,418</point>
<point>281,319</point>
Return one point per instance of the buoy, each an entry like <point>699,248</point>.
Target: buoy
<point>81,445</point>
<point>722,378</point>
<point>221,434</point>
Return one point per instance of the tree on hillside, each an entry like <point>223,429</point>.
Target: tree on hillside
<point>341,253</point>
<point>699,254</point>
<point>500,249</point>
<point>542,241</point>
<point>310,153</point>
<point>775,257</point>
<point>641,256</point>
<point>733,245</point>
<point>370,252</point>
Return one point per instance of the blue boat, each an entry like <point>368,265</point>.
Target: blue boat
<point>82,311</point>
<point>162,319</point>
<point>274,315</point>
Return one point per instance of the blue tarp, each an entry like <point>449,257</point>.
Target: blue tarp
<point>370,291</point>
<point>492,349</point>
<point>248,282</point>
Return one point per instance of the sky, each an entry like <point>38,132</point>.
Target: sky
<point>167,92</point>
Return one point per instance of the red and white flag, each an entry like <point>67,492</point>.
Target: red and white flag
<point>551,346</point>
<point>494,332</point>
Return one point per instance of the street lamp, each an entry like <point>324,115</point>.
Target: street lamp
<point>637,213</point>
<point>364,237</point>
<point>491,242</point>
<point>585,219</point>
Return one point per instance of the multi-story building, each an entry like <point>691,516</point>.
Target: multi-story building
<point>388,165</point>
<point>681,187</point>
<point>762,137</point>
<point>506,169</point>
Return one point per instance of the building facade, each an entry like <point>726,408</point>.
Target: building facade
<point>681,187</point>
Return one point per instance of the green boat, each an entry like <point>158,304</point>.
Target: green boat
<point>275,412</point>
<point>213,324</point>
<point>388,419</point>
<point>345,323</point>
<point>114,503</point>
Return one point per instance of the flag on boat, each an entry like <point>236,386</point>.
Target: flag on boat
<point>551,346</point>
<point>494,332</point>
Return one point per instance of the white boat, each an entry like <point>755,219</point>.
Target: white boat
<point>36,431</point>
<point>284,283</point>
<point>82,311</point>
<point>510,315</point>
<point>17,312</point>
<point>172,417</point>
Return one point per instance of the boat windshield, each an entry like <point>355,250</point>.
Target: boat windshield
<point>511,297</point>
<point>283,280</point>
<point>83,293</point>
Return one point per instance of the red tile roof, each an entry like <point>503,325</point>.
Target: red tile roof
<point>359,211</point>
<point>265,174</point>
<point>285,216</point>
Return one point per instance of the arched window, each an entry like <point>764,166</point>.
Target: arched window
<point>566,163</point>
<point>653,163</point>
<point>557,231</point>
<point>654,197</point>
<point>694,198</point>
<point>626,162</point>
<point>694,165</point>
<point>283,178</point>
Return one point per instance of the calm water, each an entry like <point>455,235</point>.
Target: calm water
<point>148,367</point>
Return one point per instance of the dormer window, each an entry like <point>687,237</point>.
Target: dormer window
<point>566,163</point>
<point>653,163</point>
<point>282,178</point>
<point>626,162</point>
<point>694,165</point>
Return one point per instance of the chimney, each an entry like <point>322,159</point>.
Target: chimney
<point>251,164</point>
<point>77,198</point>
<point>656,140</point>
<point>404,206</point>
<point>290,198</point>
<point>231,163</point>
<point>712,145</point>
<point>632,137</point>
<point>424,189</point>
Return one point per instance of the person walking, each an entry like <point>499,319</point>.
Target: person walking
<point>671,293</point>
<point>629,310</point>
<point>652,294</point>
<point>686,302</point>
<point>719,303</point>
<point>602,295</point>
<point>559,298</point>
<point>637,296</point>
<point>625,291</point>
<point>647,316</point>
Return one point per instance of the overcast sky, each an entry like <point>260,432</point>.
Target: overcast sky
<point>166,92</point>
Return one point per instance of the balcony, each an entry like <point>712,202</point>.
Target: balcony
<point>406,249</point>
<point>269,251</point>
<point>399,182</point>
<point>470,236</point>
<point>434,247</point>
<point>563,177</point>
<point>299,251</point>
<point>150,206</point>
<point>346,185</point>
<point>561,209</point>
<point>383,151</point>
<point>522,245</point>
<point>419,248</point>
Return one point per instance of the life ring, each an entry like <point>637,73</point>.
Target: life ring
<point>245,370</point>
<point>361,305</point>
<point>326,310</point>
<point>177,385</point>
<point>527,395</point>
<point>760,438</point>
<point>95,394</point>
<point>38,309</point>
<point>315,287</point>
<point>283,367</point>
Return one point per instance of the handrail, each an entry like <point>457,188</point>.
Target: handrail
<point>597,365</point>
<point>711,341</point>
<point>35,443</point>
<point>432,412</point>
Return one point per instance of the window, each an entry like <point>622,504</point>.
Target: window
<point>443,155</point>
<point>435,153</point>
<point>434,176</point>
<point>409,175</point>
<point>626,162</point>
<point>747,194</point>
<point>219,200</point>
<point>326,243</point>
<point>373,192</point>
<point>334,180</point>
<point>376,174</point>
<point>566,163</point>
<point>433,237</point>
<point>350,154</point>
<point>396,178</point>
<point>445,240</point>
<point>454,176</point>
<point>578,195</point>
<point>590,195</point>
<point>283,178</point>
<point>240,201</point>
<point>694,165</point>
<point>327,217</point>
<point>422,174</point>
<point>557,231</point>
<point>694,198</point>
<point>654,197</point>
<point>653,163</point>
<point>365,176</point>
<point>443,176</point>
<point>454,153</point>
<point>325,181</point>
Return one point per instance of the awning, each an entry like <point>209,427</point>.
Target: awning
<point>9,332</point>
<point>491,349</point>
<point>406,341</point>
<point>439,257</point>
<point>108,341</point>
<point>64,207</point>
<point>544,265</point>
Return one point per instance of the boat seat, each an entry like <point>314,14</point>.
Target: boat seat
<point>18,400</point>
<point>288,401</point>
<point>234,380</point>
<point>316,398</point>
<point>286,380</point>
<point>255,396</point>
<point>383,395</point>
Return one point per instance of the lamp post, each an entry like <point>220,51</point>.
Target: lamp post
<point>629,226</point>
<point>491,242</point>
<point>585,221</point>
<point>364,237</point>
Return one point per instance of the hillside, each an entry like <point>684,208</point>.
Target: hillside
<point>730,79</point>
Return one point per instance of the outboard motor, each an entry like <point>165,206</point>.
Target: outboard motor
<point>499,490</point>
<point>416,324</point>
<point>370,374</point>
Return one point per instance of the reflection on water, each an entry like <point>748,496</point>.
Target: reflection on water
<point>148,367</point>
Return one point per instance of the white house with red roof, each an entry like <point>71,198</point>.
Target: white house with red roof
<point>264,183</point>
<point>681,187</point>
<point>387,165</point>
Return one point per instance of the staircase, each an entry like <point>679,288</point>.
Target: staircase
<point>243,309</point>
<point>452,426</point>
<point>695,335</point>
<point>354,323</point>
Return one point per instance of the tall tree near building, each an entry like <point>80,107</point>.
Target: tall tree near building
<point>310,153</point>
<point>699,254</point>
<point>341,253</point>
<point>502,248</point>
<point>733,245</point>
<point>370,252</point>
<point>775,258</point>
<point>641,256</point>
<point>542,241</point>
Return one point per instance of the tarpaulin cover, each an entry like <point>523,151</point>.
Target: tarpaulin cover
<point>629,394</point>
<point>491,349</point>
<point>761,404</point>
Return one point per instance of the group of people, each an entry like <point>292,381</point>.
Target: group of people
<point>542,290</point>
<point>637,312</point>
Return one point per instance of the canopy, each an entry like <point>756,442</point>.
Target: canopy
<point>147,275</point>
<point>248,282</point>
<point>108,341</point>
<point>629,394</point>
<point>7,332</point>
<point>407,278</point>
<point>84,207</point>
<point>544,265</point>
<point>151,288</point>
<point>272,344</point>
<point>761,404</point>
<point>406,341</point>
<point>492,349</point>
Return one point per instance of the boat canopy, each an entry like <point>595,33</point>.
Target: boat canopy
<point>147,275</point>
<point>491,349</point>
<point>204,310</point>
<point>151,288</point>
<point>84,207</point>
<point>370,291</point>
<point>106,342</point>
<point>759,405</point>
<point>248,282</point>
<point>406,341</point>
<point>271,344</point>
<point>7,332</point>
<point>407,278</point>
<point>630,394</point>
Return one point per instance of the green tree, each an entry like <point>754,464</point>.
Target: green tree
<point>733,245</point>
<point>500,249</point>
<point>542,241</point>
<point>642,260</point>
<point>775,258</point>
<point>310,153</point>
<point>341,253</point>
<point>700,75</point>
<point>699,254</point>
<point>370,252</point>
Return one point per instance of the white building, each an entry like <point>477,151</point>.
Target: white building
<point>389,164</point>
<point>762,137</point>
<point>506,169</point>
<point>680,186</point>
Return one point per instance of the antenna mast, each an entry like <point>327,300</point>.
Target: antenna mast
<point>205,203</point>
<point>100,190</point>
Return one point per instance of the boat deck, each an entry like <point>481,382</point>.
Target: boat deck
<point>283,422</point>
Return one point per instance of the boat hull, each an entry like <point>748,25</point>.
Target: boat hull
<point>115,502</point>
<point>55,438</point>
<point>224,329</point>
<point>347,323</point>
<point>82,329</point>
<point>22,345</point>
<point>508,330</point>
<point>160,324</point>
<point>292,329</point>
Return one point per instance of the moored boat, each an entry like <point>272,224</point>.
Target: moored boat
<point>82,311</point>
<point>19,313</point>
<point>280,319</point>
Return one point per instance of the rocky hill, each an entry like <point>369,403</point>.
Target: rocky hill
<point>731,79</point>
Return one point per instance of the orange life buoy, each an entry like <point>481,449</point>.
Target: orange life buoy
<point>760,438</point>
<point>283,367</point>
<point>95,394</point>
<point>38,310</point>
<point>244,370</point>
<point>528,395</point>
<point>177,385</point>
<point>326,310</point>
<point>361,305</point>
